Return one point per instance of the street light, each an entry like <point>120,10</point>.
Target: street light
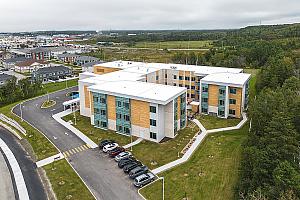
<point>163,187</point>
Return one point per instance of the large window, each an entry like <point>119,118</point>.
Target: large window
<point>152,122</point>
<point>175,77</point>
<point>221,91</point>
<point>103,124</point>
<point>232,101</point>
<point>103,112</point>
<point>221,113</point>
<point>221,102</point>
<point>119,116</point>
<point>187,78</point>
<point>126,130</point>
<point>204,110</point>
<point>232,90</point>
<point>119,128</point>
<point>153,135</point>
<point>204,100</point>
<point>204,89</point>
<point>119,103</point>
<point>102,100</point>
<point>126,118</point>
<point>157,78</point>
<point>153,109</point>
<point>96,99</point>
<point>126,105</point>
<point>180,77</point>
<point>96,110</point>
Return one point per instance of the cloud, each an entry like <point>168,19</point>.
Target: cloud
<point>28,15</point>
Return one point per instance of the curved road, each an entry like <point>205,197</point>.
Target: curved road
<point>28,167</point>
<point>102,176</point>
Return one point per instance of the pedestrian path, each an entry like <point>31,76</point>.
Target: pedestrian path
<point>133,143</point>
<point>49,160</point>
<point>16,171</point>
<point>83,137</point>
<point>75,150</point>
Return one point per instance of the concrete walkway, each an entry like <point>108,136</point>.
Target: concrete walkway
<point>6,184</point>
<point>195,145</point>
<point>49,160</point>
<point>133,143</point>
<point>83,137</point>
<point>16,170</point>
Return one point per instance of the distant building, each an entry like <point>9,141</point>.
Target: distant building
<point>10,63</point>
<point>67,57</point>
<point>89,67</point>
<point>81,60</point>
<point>51,73</point>
<point>30,65</point>
<point>4,78</point>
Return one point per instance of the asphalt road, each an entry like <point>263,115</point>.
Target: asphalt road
<point>101,174</point>
<point>6,184</point>
<point>28,167</point>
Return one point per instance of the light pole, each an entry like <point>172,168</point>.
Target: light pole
<point>163,187</point>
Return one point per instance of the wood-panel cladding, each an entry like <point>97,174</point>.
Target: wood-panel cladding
<point>86,96</point>
<point>238,98</point>
<point>140,113</point>
<point>213,95</point>
<point>111,107</point>
<point>104,70</point>
<point>178,107</point>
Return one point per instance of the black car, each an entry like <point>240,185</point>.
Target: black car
<point>138,171</point>
<point>126,161</point>
<point>105,142</point>
<point>129,167</point>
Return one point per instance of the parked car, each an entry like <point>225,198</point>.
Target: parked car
<point>105,142</point>
<point>129,167</point>
<point>109,147</point>
<point>138,171</point>
<point>126,161</point>
<point>122,155</point>
<point>113,153</point>
<point>143,179</point>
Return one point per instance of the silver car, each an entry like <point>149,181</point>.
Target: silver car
<point>143,179</point>
<point>122,155</point>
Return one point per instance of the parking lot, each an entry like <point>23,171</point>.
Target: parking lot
<point>104,179</point>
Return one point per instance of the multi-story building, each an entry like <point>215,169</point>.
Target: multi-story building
<point>150,100</point>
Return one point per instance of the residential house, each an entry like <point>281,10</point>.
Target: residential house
<point>81,60</point>
<point>30,65</point>
<point>4,78</point>
<point>51,73</point>
<point>68,57</point>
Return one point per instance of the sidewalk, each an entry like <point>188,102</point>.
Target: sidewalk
<point>49,160</point>
<point>196,144</point>
<point>82,136</point>
<point>133,143</point>
<point>16,170</point>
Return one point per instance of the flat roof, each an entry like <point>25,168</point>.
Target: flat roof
<point>150,92</point>
<point>234,79</point>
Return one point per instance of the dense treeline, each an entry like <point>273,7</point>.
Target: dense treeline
<point>270,166</point>
<point>13,91</point>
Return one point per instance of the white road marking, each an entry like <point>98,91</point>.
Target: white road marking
<point>52,110</point>
<point>66,133</point>
<point>54,137</point>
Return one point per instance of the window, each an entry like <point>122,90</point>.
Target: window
<point>119,128</point>
<point>187,78</point>
<point>180,85</point>
<point>192,96</point>
<point>221,102</point>
<point>96,110</point>
<point>193,78</point>
<point>232,101</point>
<point>153,109</point>
<point>126,118</point>
<point>187,86</point>
<point>166,83</point>
<point>103,112</point>
<point>232,90</point>
<point>96,99</point>
<point>192,87</point>
<point>221,113</point>
<point>188,95</point>
<point>119,116</point>
<point>153,135</point>
<point>221,91</point>
<point>103,124</point>
<point>175,77</point>
<point>205,100</point>
<point>204,110</point>
<point>204,89</point>
<point>102,100</point>
<point>231,112</point>
<point>174,84</point>
<point>126,130</point>
<point>180,77</point>
<point>166,75</point>
<point>182,112</point>
<point>157,78</point>
<point>126,105</point>
<point>152,122</point>
<point>119,103</point>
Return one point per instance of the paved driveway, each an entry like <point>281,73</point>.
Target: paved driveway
<point>101,174</point>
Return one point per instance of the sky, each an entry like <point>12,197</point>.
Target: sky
<point>33,15</point>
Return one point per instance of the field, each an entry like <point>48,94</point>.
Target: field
<point>210,174</point>
<point>175,45</point>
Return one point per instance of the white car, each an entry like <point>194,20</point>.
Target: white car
<point>122,155</point>
<point>109,147</point>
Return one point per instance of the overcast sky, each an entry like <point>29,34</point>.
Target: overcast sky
<point>31,15</point>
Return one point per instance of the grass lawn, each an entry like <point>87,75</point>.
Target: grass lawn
<point>175,44</point>
<point>52,87</point>
<point>48,104</point>
<point>165,152</point>
<point>96,134</point>
<point>211,122</point>
<point>65,182</point>
<point>211,173</point>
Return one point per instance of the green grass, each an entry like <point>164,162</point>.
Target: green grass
<point>65,182</point>
<point>52,87</point>
<point>42,147</point>
<point>165,152</point>
<point>48,104</point>
<point>212,122</point>
<point>175,44</point>
<point>96,134</point>
<point>211,173</point>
